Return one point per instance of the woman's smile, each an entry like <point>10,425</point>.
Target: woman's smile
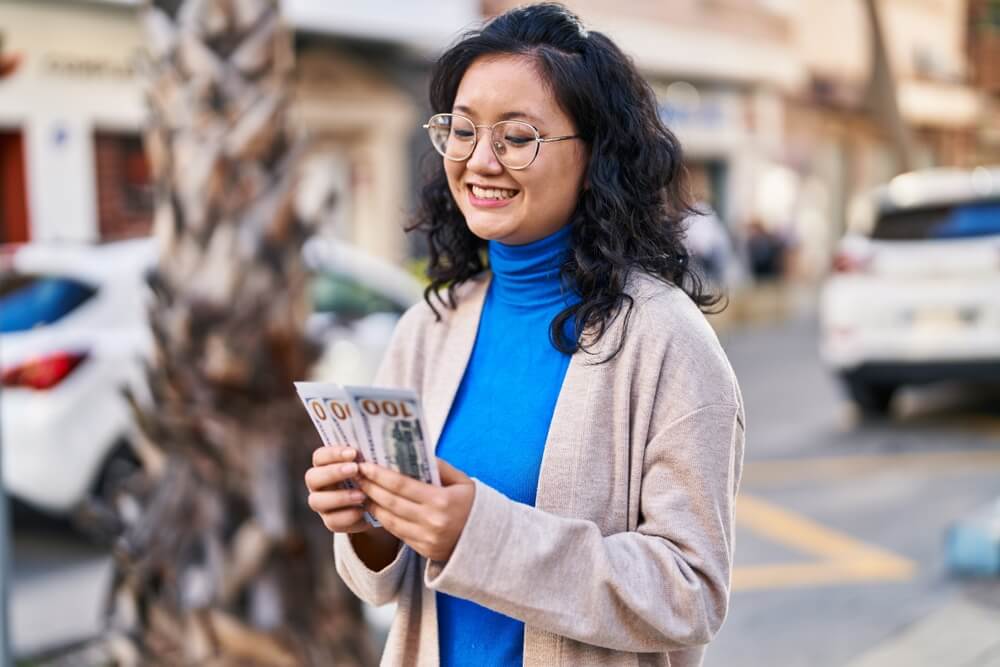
<point>482,196</point>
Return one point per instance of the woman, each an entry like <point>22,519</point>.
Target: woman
<point>593,425</point>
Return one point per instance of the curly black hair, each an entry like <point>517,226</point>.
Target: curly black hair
<point>631,217</point>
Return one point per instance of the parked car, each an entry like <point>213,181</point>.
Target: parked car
<point>73,333</point>
<point>915,292</point>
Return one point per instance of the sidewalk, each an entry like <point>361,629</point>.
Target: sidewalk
<point>763,304</point>
<point>962,633</point>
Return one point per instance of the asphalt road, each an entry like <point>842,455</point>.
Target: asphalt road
<point>59,580</point>
<point>841,522</point>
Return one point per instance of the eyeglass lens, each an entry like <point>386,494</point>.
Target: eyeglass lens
<point>514,143</point>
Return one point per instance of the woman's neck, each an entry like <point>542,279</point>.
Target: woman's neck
<point>528,275</point>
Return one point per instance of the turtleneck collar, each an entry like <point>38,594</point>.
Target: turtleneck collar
<point>528,275</point>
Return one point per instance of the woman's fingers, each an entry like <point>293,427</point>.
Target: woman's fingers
<point>396,525</point>
<point>350,520</point>
<point>328,501</point>
<point>396,504</point>
<point>326,476</point>
<point>326,455</point>
<point>339,507</point>
<point>397,483</point>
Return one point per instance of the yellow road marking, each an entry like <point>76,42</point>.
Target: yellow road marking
<point>809,575</point>
<point>843,558</point>
<point>770,473</point>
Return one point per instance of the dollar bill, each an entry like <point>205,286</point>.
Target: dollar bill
<point>330,409</point>
<point>391,420</point>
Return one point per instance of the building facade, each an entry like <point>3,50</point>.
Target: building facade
<point>71,116</point>
<point>771,99</point>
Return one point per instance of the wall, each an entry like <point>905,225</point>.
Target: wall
<point>76,76</point>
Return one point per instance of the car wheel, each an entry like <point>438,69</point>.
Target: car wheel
<point>96,515</point>
<point>872,398</point>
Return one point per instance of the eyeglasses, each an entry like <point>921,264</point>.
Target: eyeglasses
<point>514,142</point>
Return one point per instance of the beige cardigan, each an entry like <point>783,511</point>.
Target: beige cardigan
<point>626,557</point>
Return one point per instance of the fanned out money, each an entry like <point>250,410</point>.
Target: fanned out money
<point>391,421</point>
<point>384,425</point>
<point>330,410</point>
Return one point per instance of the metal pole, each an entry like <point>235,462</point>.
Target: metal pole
<point>8,64</point>
<point>5,542</point>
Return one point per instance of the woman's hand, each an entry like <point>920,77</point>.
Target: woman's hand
<point>339,507</point>
<point>428,518</point>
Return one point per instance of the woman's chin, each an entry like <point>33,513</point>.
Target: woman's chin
<point>488,230</point>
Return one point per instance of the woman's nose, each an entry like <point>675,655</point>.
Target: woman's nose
<point>483,160</point>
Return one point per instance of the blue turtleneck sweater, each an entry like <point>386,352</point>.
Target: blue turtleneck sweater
<point>499,421</point>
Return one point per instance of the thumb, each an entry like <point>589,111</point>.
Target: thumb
<point>451,475</point>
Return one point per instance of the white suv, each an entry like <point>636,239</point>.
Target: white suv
<point>915,293</point>
<point>73,333</point>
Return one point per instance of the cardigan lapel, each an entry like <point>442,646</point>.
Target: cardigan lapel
<point>455,355</point>
<point>561,456</point>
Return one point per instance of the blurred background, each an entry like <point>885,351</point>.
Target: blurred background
<point>846,155</point>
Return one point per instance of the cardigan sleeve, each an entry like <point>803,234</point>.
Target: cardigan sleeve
<point>375,588</point>
<point>660,588</point>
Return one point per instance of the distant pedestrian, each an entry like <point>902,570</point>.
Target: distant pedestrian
<point>592,422</point>
<point>767,252</point>
<point>711,249</point>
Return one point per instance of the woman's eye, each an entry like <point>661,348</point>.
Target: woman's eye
<point>463,134</point>
<point>518,141</point>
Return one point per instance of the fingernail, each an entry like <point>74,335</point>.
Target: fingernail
<point>365,468</point>
<point>349,453</point>
<point>349,468</point>
<point>358,497</point>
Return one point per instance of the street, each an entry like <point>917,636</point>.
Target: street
<point>841,523</point>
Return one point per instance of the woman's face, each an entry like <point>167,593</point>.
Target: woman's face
<point>533,202</point>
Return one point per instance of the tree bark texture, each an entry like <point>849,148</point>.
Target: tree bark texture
<point>217,558</point>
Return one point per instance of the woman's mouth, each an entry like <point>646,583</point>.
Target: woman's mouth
<point>490,197</point>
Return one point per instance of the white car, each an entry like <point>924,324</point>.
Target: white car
<point>915,293</point>
<point>73,333</point>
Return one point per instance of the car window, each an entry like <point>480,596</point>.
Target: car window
<point>348,299</point>
<point>27,302</point>
<point>940,222</point>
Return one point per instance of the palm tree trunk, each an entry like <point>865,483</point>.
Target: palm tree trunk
<point>218,559</point>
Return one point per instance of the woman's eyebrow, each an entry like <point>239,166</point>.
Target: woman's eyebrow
<point>509,115</point>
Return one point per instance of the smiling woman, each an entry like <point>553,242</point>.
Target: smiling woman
<point>500,197</point>
<point>588,425</point>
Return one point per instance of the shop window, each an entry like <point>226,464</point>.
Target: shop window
<point>124,186</point>
<point>13,194</point>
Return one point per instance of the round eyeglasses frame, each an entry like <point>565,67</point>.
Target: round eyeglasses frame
<point>539,139</point>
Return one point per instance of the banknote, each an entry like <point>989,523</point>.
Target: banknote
<point>330,409</point>
<point>391,420</point>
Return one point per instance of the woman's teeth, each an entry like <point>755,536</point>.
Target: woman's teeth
<point>492,193</point>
